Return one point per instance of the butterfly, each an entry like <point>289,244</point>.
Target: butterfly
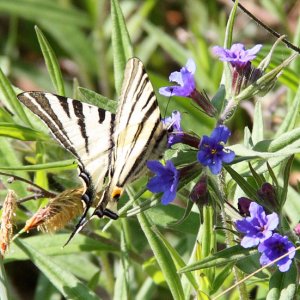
<point>111,149</point>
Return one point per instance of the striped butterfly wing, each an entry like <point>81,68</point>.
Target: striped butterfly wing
<point>84,130</point>
<point>139,134</point>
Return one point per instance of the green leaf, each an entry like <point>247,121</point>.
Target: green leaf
<point>60,165</point>
<point>64,281</point>
<point>283,285</point>
<point>36,10</point>
<point>259,178</point>
<point>121,44</point>
<point>221,277</point>
<point>51,63</point>
<point>227,76</point>
<point>9,157</point>
<point>96,99</point>
<point>179,262</point>
<point>21,133</point>
<point>258,124</point>
<point>169,44</point>
<point>220,258</point>
<point>76,44</point>
<point>11,99</point>
<point>52,245</point>
<point>162,256</point>
<point>289,120</point>
<point>218,99</point>
<point>242,183</point>
<point>286,177</point>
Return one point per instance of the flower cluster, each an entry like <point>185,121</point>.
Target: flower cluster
<point>259,230</point>
<point>212,152</point>
<point>240,60</point>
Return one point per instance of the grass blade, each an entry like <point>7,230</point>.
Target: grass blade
<point>51,62</point>
<point>121,44</point>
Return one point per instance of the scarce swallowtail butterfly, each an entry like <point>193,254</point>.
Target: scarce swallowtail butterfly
<point>111,150</point>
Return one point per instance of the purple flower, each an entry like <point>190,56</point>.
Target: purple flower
<point>237,55</point>
<point>165,180</point>
<point>185,79</point>
<point>257,227</point>
<point>273,248</point>
<point>175,132</point>
<point>212,152</point>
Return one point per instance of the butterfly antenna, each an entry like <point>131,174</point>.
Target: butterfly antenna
<point>165,112</point>
<point>269,29</point>
<point>82,222</point>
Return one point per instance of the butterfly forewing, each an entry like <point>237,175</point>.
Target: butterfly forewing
<point>84,130</point>
<point>139,134</point>
<point>139,131</point>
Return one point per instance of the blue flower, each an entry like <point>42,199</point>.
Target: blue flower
<point>257,227</point>
<point>175,132</point>
<point>185,79</point>
<point>212,152</point>
<point>237,55</point>
<point>273,248</point>
<point>165,181</point>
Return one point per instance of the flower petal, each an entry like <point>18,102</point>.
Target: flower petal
<point>166,91</point>
<point>155,166</point>
<point>154,185</point>
<point>248,242</point>
<point>220,134</point>
<point>176,77</point>
<point>191,66</point>
<point>216,167</point>
<point>228,155</point>
<point>168,197</point>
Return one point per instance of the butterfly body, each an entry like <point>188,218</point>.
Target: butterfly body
<point>111,149</point>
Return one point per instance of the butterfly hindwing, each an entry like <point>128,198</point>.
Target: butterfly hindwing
<point>84,130</point>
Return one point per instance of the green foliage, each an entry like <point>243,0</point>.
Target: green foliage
<point>152,251</point>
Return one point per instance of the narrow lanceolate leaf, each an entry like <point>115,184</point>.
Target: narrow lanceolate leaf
<point>121,44</point>
<point>283,285</point>
<point>223,257</point>
<point>286,176</point>
<point>163,258</point>
<point>258,124</point>
<point>21,133</point>
<point>69,164</point>
<point>11,99</point>
<point>176,258</point>
<point>169,44</point>
<point>96,99</point>
<point>65,282</point>
<point>226,76</point>
<point>290,119</point>
<point>242,183</point>
<point>50,245</point>
<point>51,63</point>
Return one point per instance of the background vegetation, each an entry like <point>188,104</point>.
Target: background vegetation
<point>119,263</point>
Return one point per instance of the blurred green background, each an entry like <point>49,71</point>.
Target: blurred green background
<point>164,35</point>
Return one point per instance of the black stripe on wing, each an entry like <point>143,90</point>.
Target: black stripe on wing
<point>139,110</point>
